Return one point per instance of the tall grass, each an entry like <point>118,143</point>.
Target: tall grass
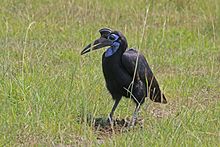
<point>47,89</point>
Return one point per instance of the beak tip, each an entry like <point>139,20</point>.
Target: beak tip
<point>99,43</point>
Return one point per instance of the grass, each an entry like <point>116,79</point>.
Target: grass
<point>47,89</point>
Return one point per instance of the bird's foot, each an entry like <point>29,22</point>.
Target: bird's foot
<point>132,122</point>
<point>110,120</point>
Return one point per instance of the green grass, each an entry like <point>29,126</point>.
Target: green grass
<point>47,88</point>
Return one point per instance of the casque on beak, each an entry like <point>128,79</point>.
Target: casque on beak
<point>97,44</point>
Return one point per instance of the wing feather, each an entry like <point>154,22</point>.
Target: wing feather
<point>137,66</point>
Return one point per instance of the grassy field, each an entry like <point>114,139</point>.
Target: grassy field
<point>47,89</point>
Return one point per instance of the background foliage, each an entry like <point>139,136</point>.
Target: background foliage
<point>47,89</point>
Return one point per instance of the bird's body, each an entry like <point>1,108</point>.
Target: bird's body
<point>126,71</point>
<point>115,74</point>
<point>117,77</point>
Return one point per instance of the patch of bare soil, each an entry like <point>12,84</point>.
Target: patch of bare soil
<point>103,128</point>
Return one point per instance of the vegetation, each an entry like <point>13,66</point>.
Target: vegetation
<point>47,89</point>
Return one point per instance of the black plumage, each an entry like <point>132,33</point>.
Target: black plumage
<point>126,71</point>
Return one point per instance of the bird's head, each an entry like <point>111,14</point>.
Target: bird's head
<point>115,40</point>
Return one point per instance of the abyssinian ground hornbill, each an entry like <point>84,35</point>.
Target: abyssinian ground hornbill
<point>126,71</point>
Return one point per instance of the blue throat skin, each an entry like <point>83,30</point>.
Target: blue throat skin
<point>110,51</point>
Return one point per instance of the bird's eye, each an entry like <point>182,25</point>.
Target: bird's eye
<point>113,37</point>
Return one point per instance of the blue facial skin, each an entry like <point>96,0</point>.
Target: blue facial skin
<point>114,47</point>
<point>110,51</point>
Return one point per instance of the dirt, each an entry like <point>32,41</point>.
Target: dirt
<point>103,128</point>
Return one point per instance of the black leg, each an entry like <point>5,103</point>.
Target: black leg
<point>134,117</point>
<point>113,109</point>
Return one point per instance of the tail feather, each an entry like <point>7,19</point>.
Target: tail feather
<point>155,93</point>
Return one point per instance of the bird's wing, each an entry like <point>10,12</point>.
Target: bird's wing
<point>143,72</point>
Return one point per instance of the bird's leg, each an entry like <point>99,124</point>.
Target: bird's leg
<point>113,110</point>
<point>134,117</point>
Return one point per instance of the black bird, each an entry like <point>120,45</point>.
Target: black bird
<point>126,71</point>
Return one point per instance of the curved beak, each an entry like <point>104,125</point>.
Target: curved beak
<point>97,44</point>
